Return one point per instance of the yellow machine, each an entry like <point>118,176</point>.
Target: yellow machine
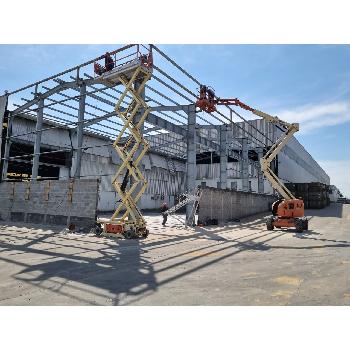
<point>130,144</point>
<point>289,211</point>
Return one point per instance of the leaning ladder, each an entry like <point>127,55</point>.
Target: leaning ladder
<point>188,197</point>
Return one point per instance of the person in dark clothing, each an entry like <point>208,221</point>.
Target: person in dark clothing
<point>98,69</point>
<point>163,209</point>
<point>109,63</point>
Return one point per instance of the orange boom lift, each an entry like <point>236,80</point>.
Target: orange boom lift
<point>287,211</point>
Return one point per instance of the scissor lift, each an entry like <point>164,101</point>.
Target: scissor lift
<point>128,181</point>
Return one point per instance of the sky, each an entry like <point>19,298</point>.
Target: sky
<point>308,84</point>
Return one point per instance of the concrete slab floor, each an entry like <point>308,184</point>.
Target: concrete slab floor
<point>238,264</point>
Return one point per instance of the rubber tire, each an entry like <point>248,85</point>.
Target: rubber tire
<point>98,229</point>
<point>129,234</point>
<point>269,224</point>
<point>299,225</point>
<point>305,224</point>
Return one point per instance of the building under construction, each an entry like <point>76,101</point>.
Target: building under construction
<point>65,129</point>
<point>90,155</point>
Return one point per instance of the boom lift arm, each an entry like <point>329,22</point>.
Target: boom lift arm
<point>289,211</point>
<point>208,102</point>
<point>265,161</point>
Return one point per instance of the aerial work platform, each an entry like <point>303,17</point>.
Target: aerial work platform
<point>115,66</point>
<point>131,71</point>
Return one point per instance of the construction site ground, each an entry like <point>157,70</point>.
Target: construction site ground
<point>237,264</point>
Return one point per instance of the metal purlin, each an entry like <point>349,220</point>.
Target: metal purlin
<point>133,150</point>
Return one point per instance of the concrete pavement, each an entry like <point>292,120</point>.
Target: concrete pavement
<point>238,264</point>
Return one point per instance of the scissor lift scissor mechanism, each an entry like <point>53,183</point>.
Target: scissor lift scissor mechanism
<point>130,145</point>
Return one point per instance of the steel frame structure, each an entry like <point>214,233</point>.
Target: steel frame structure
<point>78,100</point>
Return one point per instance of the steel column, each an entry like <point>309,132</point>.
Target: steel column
<point>3,107</point>
<point>245,165</point>
<point>138,115</point>
<point>80,131</point>
<point>37,141</point>
<point>260,152</point>
<point>137,119</point>
<point>191,170</point>
<point>7,147</point>
<point>223,157</point>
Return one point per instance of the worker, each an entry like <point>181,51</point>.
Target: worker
<point>98,69</point>
<point>163,209</point>
<point>109,63</point>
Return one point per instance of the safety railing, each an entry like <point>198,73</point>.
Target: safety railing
<point>123,56</point>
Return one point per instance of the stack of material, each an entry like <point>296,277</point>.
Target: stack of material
<point>314,194</point>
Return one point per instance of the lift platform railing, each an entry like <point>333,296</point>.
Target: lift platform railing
<point>122,57</point>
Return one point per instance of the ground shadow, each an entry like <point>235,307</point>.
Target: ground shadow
<point>124,268</point>
<point>119,270</point>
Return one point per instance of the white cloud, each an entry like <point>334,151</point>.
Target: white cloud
<point>312,117</point>
<point>338,171</point>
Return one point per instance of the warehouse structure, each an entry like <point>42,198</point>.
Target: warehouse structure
<point>165,174</point>
<point>65,126</point>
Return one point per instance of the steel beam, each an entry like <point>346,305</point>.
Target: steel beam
<point>58,88</point>
<point>76,68</point>
<point>223,157</point>
<point>8,142</point>
<point>37,141</point>
<point>210,127</point>
<point>260,152</point>
<point>245,165</point>
<point>80,131</point>
<point>146,96</point>
<point>151,118</point>
<point>167,144</point>
<point>175,64</point>
<point>3,107</point>
<point>165,125</point>
<point>169,108</point>
<point>191,170</point>
<point>174,81</point>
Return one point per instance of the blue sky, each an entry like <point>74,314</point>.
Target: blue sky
<point>308,84</point>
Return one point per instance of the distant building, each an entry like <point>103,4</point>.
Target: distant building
<point>334,193</point>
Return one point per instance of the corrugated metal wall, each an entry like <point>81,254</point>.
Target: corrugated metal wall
<point>160,181</point>
<point>295,163</point>
<point>209,171</point>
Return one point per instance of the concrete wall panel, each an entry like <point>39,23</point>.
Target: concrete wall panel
<point>227,205</point>
<point>49,201</point>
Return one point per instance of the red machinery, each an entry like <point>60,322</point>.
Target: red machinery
<point>207,101</point>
